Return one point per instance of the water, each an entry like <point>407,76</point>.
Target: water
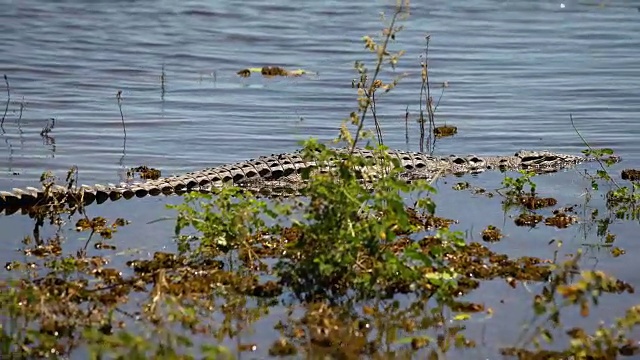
<point>515,69</point>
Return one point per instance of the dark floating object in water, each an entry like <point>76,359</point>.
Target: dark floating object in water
<point>277,174</point>
<point>271,71</point>
<point>145,172</point>
<point>631,174</point>
<point>444,131</point>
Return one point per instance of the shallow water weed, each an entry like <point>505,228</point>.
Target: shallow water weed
<point>228,222</point>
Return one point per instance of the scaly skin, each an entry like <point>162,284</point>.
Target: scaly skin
<point>260,172</point>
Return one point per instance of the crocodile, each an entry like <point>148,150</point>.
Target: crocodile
<point>281,169</point>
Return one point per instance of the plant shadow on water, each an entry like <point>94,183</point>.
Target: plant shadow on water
<point>358,265</point>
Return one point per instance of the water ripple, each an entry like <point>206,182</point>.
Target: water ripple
<point>516,70</point>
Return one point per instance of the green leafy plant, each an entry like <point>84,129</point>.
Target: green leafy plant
<point>571,287</point>
<point>516,187</point>
<point>348,223</point>
<point>225,220</point>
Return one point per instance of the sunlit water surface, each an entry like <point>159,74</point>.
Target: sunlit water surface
<point>516,70</point>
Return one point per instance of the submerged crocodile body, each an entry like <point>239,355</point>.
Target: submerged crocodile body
<point>265,172</point>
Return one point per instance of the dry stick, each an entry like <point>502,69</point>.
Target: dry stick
<point>44,133</point>
<point>406,124</point>
<point>438,174</point>
<point>119,98</point>
<point>444,86</point>
<point>435,108</point>
<point>163,78</point>
<point>429,100</point>
<point>375,76</point>
<point>430,110</point>
<point>375,118</point>
<point>20,118</point>
<point>423,86</point>
<point>421,121</point>
<point>590,148</point>
<point>124,141</point>
<point>72,179</point>
<point>426,85</point>
<point>6,139</point>
<point>6,108</point>
<point>48,127</point>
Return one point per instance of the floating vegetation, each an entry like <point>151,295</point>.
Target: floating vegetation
<point>625,202</point>
<point>526,219</point>
<point>561,220</point>
<point>465,185</point>
<point>461,186</point>
<point>631,174</point>
<point>534,202</point>
<point>491,234</point>
<point>429,221</point>
<point>271,71</point>
<point>144,172</point>
<point>445,131</point>
<point>52,247</point>
<point>99,225</point>
<point>91,224</point>
<point>616,251</point>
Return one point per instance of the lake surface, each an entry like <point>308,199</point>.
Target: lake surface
<point>516,70</point>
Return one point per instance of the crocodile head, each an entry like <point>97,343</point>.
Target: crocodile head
<point>546,160</point>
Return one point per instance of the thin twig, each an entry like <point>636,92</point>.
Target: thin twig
<point>381,55</point>
<point>163,79</point>
<point>423,89</point>
<point>375,118</point>
<point>6,108</point>
<point>20,116</point>
<point>119,98</point>
<point>430,109</point>
<point>406,125</point>
<point>3,132</point>
<point>444,86</point>
<point>421,123</point>
<point>425,86</point>
<point>433,179</point>
<point>591,149</point>
<point>124,129</point>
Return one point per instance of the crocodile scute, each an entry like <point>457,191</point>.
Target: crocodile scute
<point>279,167</point>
